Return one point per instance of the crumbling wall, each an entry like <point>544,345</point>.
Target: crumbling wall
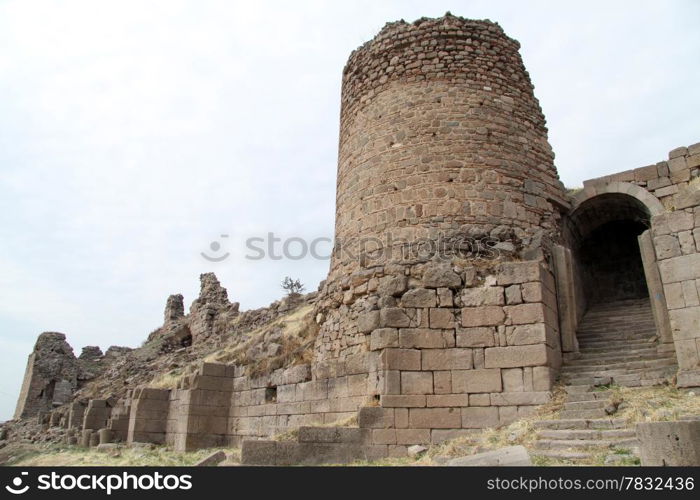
<point>51,376</point>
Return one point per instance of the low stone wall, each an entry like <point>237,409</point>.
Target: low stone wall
<point>677,242</point>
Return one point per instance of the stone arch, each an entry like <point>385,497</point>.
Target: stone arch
<point>651,202</point>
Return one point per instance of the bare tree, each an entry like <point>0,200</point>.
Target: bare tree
<point>292,286</point>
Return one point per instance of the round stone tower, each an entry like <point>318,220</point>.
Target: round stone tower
<point>441,137</point>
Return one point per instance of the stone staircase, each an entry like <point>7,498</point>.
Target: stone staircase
<point>617,346</point>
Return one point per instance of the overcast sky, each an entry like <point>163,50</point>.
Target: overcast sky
<point>135,134</point>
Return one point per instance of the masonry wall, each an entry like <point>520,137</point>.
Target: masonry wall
<point>677,242</point>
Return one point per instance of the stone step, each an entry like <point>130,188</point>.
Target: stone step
<point>588,396</point>
<point>603,351</point>
<point>586,414</point>
<point>615,342</point>
<point>294,453</point>
<point>631,378</point>
<point>562,454</point>
<point>622,358</point>
<point>583,434</point>
<point>587,383</point>
<point>617,368</point>
<point>602,423</point>
<point>549,444</point>
<point>334,435</point>
<point>583,388</point>
<point>586,405</point>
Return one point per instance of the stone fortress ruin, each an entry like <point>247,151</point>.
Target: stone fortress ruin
<point>466,281</point>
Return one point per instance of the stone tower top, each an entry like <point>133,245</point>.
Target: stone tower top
<point>441,136</point>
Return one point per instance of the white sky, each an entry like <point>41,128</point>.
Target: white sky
<point>133,134</point>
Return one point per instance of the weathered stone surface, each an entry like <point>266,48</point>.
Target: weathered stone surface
<point>425,338</point>
<point>482,316</point>
<point>483,296</point>
<point>447,359</point>
<point>214,459</point>
<point>480,417</point>
<point>510,357</point>
<point>503,457</point>
<point>419,297</point>
<point>393,286</point>
<point>669,443</point>
<point>476,337</point>
<point>434,418</point>
<point>440,275</point>
<point>478,380</point>
<point>384,337</point>
<point>51,376</point>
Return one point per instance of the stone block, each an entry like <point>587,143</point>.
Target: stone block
<point>403,400</point>
<point>513,295</point>
<point>213,369</point>
<point>412,436</point>
<point>526,334</point>
<point>476,337</point>
<point>669,443</point>
<point>647,173</point>
<point>382,338</point>
<point>440,275</point>
<point>511,273</point>
<point>434,418</point>
<point>425,338</point>
<point>368,321</point>
<point>667,246</point>
<point>519,398</point>
<point>401,418</point>
<point>512,379</point>
<point>483,296</point>
<point>375,417</point>
<point>677,164</point>
<point>445,297</point>
<point>447,400</point>
<point>542,378</point>
<point>482,316</point>
<point>515,356</point>
<point>524,314</point>
<point>416,383</point>
<point>394,317</point>
<point>503,457</point>
<point>674,296</point>
<point>389,382</point>
<point>480,417</point>
<point>480,399</point>
<point>477,380</point>
<point>442,318</point>
<point>447,359</point>
<point>442,382</point>
<point>419,297</point>
<point>532,292</point>
<point>384,436</point>
<point>685,323</point>
<point>392,286</point>
<point>400,359</point>
<point>212,459</point>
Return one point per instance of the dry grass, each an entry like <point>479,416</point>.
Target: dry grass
<point>161,456</point>
<point>298,331</point>
<point>654,404</point>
